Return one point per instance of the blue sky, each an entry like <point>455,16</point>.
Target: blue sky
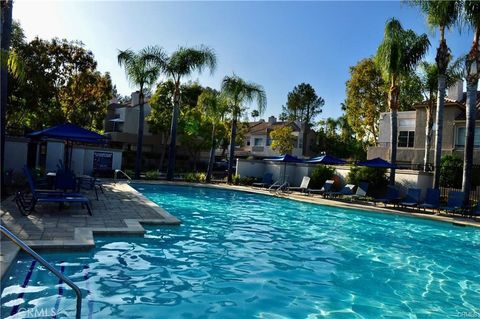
<point>275,44</point>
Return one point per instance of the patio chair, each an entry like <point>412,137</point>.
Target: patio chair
<point>303,186</point>
<point>361,192</point>
<point>474,211</point>
<point>391,197</point>
<point>27,205</point>
<point>412,199</point>
<point>267,181</point>
<point>65,179</point>
<point>454,202</point>
<point>432,200</point>
<point>327,187</point>
<point>345,191</point>
<point>90,183</point>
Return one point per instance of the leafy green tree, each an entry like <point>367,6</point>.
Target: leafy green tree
<point>366,98</point>
<point>239,92</point>
<point>429,79</point>
<point>303,105</point>
<point>142,69</point>
<point>441,15</point>
<point>255,114</point>
<point>283,139</point>
<point>397,56</point>
<point>451,171</point>
<point>472,66</point>
<point>180,64</point>
<point>214,108</point>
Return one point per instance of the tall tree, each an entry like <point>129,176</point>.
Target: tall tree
<point>214,108</point>
<point>304,105</point>
<point>472,67</point>
<point>366,98</point>
<point>429,78</point>
<point>397,56</point>
<point>142,69</point>
<point>6,31</point>
<point>180,64</point>
<point>441,15</point>
<point>239,92</point>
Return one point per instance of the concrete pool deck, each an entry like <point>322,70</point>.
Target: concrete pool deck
<point>122,211</point>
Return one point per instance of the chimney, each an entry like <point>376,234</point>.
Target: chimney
<point>135,98</point>
<point>455,92</point>
<point>272,120</point>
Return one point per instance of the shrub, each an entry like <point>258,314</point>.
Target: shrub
<point>320,174</point>
<point>236,179</point>
<point>375,176</point>
<point>129,172</point>
<point>152,174</point>
<point>247,180</point>
<point>195,177</point>
<point>451,171</point>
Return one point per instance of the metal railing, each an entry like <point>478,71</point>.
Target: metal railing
<point>115,176</point>
<point>47,265</point>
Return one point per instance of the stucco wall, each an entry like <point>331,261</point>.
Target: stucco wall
<point>15,154</point>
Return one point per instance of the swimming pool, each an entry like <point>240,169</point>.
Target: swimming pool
<point>240,255</point>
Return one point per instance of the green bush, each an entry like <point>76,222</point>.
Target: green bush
<point>247,180</point>
<point>129,172</point>
<point>451,171</point>
<point>196,177</point>
<point>375,176</point>
<point>236,179</point>
<point>320,174</point>
<point>152,174</point>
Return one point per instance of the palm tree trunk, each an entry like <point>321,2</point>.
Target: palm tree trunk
<point>439,131</point>
<point>428,134</point>
<point>6,31</point>
<point>392,102</point>
<point>164,151</point>
<point>472,84</point>
<point>442,58</point>
<point>141,118</point>
<point>173,133</point>
<point>232,149</point>
<point>212,157</point>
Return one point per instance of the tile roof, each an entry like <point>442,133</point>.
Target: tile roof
<point>262,127</point>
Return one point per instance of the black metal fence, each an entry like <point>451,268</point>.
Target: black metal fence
<point>474,194</point>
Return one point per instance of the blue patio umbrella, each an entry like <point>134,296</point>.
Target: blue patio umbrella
<point>377,163</point>
<point>70,133</point>
<point>327,160</point>
<point>286,158</point>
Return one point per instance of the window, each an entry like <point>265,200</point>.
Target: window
<point>248,142</point>
<point>269,141</point>
<point>460,140</point>
<point>406,138</point>
<point>258,142</point>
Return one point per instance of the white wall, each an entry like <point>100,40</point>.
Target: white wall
<point>295,172</point>
<point>55,152</point>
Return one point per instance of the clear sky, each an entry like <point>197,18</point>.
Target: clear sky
<point>275,44</point>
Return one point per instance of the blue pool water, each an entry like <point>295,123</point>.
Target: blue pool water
<point>240,255</point>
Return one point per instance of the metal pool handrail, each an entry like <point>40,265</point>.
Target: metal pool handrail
<point>123,173</point>
<point>40,259</point>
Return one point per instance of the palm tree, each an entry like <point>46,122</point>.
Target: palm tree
<point>213,106</point>
<point>142,69</point>
<point>239,92</point>
<point>180,64</point>
<point>429,78</point>
<point>397,56</point>
<point>472,67</point>
<point>441,15</point>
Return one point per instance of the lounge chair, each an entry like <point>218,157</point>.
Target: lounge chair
<point>432,200</point>
<point>412,199</point>
<point>474,211</point>
<point>361,192</point>
<point>391,197</point>
<point>303,186</point>
<point>27,205</point>
<point>327,187</point>
<point>454,202</point>
<point>347,190</point>
<point>267,181</point>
